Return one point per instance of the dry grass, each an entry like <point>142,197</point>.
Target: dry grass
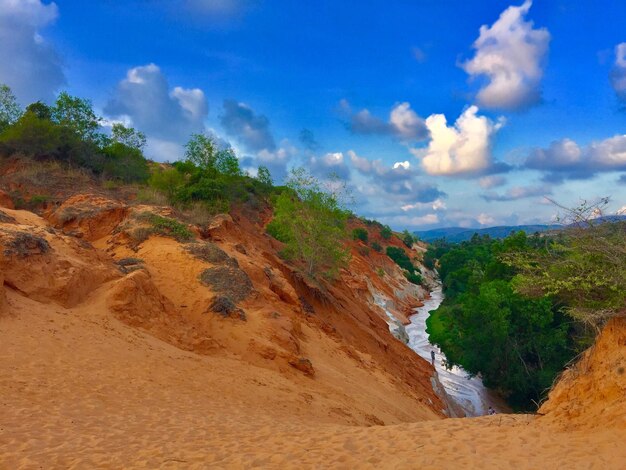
<point>151,196</point>
<point>52,175</point>
<point>23,244</point>
<point>228,281</point>
<point>211,253</point>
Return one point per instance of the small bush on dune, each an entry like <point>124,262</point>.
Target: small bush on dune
<point>166,226</point>
<point>386,232</point>
<point>399,256</point>
<point>360,234</point>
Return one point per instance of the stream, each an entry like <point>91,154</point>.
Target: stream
<point>469,393</point>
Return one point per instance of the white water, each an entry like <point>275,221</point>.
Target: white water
<point>469,393</point>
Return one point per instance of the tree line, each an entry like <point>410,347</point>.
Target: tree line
<point>518,310</point>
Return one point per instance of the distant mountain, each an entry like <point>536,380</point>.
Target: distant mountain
<point>460,234</point>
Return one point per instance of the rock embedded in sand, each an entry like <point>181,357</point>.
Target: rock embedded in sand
<point>303,365</point>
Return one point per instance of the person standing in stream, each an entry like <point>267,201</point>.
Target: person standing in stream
<point>432,357</point>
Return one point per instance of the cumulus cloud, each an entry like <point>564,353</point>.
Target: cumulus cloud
<point>510,54</point>
<point>410,221</point>
<point>485,219</point>
<point>167,116</point>
<point>28,64</point>
<point>565,159</point>
<point>436,205</point>
<point>462,149</point>
<point>403,123</point>
<point>518,192</point>
<point>396,182</point>
<point>492,181</point>
<point>242,123</point>
<point>330,164</point>
<point>617,75</point>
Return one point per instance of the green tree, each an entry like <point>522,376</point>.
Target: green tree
<point>128,136</point>
<point>311,221</point>
<point>584,266</point>
<point>39,109</point>
<point>169,181</point>
<point>9,109</point>
<point>517,344</point>
<point>264,176</point>
<point>201,150</point>
<point>33,136</point>
<point>124,163</point>
<point>227,163</point>
<point>77,114</point>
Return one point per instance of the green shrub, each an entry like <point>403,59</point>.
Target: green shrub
<point>408,239</point>
<point>124,163</point>
<point>360,234</point>
<point>277,231</point>
<point>399,256</point>
<point>414,278</point>
<point>377,247</point>
<point>386,232</point>
<point>166,226</point>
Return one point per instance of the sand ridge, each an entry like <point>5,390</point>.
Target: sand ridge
<point>82,390</point>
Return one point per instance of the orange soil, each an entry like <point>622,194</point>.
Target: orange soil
<point>104,369</point>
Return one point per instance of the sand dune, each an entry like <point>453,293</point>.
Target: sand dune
<point>79,389</point>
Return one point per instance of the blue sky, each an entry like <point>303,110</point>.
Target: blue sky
<point>438,113</point>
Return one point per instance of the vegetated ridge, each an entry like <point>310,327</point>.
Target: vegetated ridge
<point>151,316</point>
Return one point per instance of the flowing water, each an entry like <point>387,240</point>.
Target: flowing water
<point>469,393</point>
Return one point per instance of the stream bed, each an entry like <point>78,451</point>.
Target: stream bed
<point>469,393</point>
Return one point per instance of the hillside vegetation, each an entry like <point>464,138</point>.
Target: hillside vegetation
<point>518,310</point>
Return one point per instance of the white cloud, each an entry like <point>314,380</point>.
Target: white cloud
<point>566,159</point>
<point>410,221</point>
<point>492,181</point>
<point>331,163</point>
<point>510,53</point>
<point>405,165</point>
<point>163,150</point>
<point>403,122</point>
<point>519,192</point>
<point>166,116</point>
<point>485,219</point>
<point>464,148</point>
<point>406,123</point>
<point>618,73</point>
<point>360,163</point>
<point>398,182</point>
<point>244,124</point>
<point>436,205</point>
<point>28,64</point>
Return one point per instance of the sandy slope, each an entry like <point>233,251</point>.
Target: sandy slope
<point>100,369</point>
<point>79,389</point>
